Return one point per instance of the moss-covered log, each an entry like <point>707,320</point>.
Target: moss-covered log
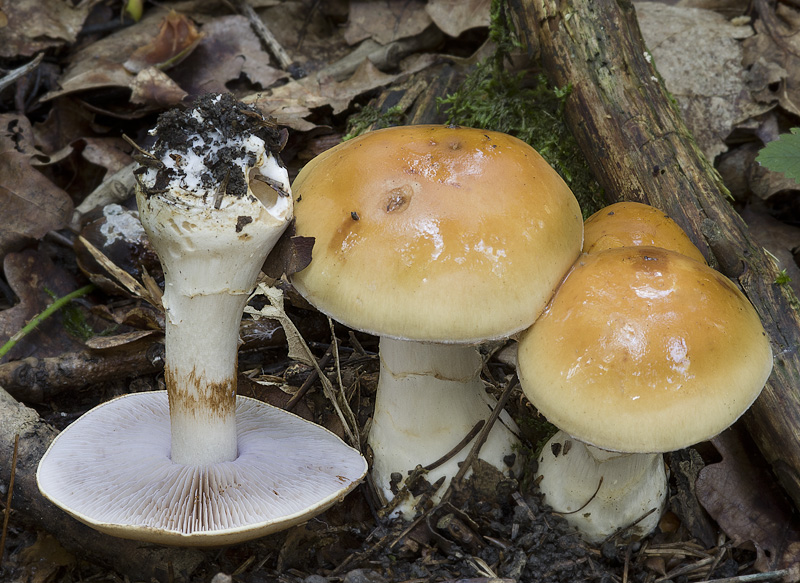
<point>640,150</point>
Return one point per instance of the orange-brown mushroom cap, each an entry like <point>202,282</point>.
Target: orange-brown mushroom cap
<point>644,350</point>
<point>435,233</point>
<point>633,224</point>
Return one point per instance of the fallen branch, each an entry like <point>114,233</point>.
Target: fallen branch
<point>640,150</point>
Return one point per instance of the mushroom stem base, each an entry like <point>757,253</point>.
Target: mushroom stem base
<point>600,492</point>
<point>430,397</point>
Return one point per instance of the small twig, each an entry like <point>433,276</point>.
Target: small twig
<point>722,547</point>
<point>39,318</point>
<point>461,445</point>
<point>524,505</point>
<point>11,77</point>
<point>8,500</point>
<point>482,436</point>
<point>767,576</point>
<point>273,46</point>
<point>323,362</point>
<point>585,504</point>
<point>685,569</point>
<point>627,526</point>
<point>350,559</point>
<point>273,184</point>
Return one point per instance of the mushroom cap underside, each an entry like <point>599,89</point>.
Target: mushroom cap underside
<point>644,350</point>
<point>434,233</point>
<point>111,469</point>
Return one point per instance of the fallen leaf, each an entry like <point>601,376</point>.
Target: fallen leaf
<point>176,39</point>
<point>44,559</point>
<point>774,64</point>
<point>35,25</point>
<point>698,54</point>
<point>30,204</point>
<point>744,499</point>
<point>454,17</point>
<point>156,89</point>
<point>292,103</point>
<point>230,48</point>
<point>385,20</point>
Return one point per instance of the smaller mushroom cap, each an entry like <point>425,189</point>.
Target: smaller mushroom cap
<point>434,233</point>
<point>644,350</point>
<point>633,224</point>
<point>111,469</point>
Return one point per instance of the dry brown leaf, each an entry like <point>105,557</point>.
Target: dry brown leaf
<point>454,17</point>
<point>307,35</point>
<point>229,49</point>
<point>177,37</point>
<point>698,54</point>
<point>385,20</point>
<point>290,104</point>
<point>100,64</point>
<point>774,64</point>
<point>154,88</point>
<point>744,499</point>
<point>36,25</point>
<point>30,204</point>
<point>44,559</point>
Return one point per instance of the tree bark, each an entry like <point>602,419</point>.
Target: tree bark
<point>640,150</point>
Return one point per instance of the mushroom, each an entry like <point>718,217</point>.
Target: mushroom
<point>641,351</point>
<point>634,224</point>
<point>197,465</point>
<point>435,239</point>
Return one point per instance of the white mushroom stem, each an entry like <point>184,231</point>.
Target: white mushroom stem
<point>212,236</point>
<point>429,398</point>
<point>210,269</point>
<point>601,492</point>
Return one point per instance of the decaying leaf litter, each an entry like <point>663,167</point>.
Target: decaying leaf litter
<point>100,80</point>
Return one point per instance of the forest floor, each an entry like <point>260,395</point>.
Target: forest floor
<point>99,75</point>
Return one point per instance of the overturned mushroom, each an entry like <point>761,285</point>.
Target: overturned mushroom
<point>197,465</point>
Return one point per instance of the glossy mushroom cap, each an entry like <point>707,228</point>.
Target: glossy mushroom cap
<point>644,350</point>
<point>434,233</point>
<point>633,224</point>
<point>111,469</point>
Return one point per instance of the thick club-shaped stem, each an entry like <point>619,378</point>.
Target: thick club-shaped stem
<point>430,396</point>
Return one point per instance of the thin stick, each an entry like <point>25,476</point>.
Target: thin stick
<point>323,362</point>
<point>768,576</point>
<point>8,500</point>
<point>39,318</point>
<point>265,34</point>
<point>461,444</point>
<point>15,74</point>
<point>476,447</point>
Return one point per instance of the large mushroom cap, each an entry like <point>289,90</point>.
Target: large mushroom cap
<point>644,350</point>
<point>112,470</point>
<point>633,224</point>
<point>435,233</point>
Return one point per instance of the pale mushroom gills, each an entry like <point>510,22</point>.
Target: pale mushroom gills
<point>196,465</point>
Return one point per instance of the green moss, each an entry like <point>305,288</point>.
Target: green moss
<point>493,98</point>
<point>783,278</point>
<point>360,122</point>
